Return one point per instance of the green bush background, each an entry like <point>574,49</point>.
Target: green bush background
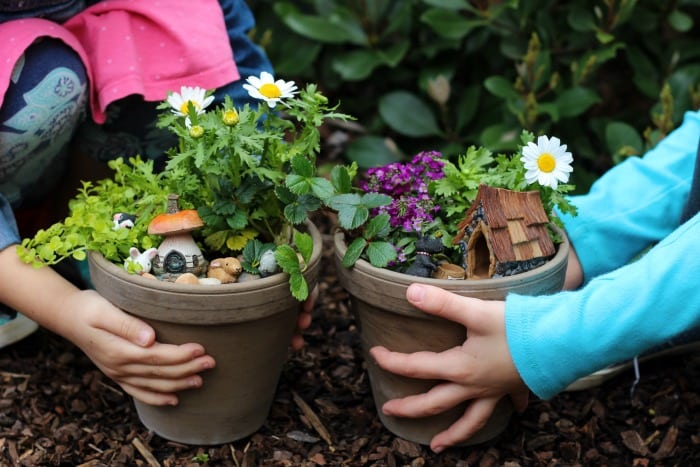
<point>608,77</point>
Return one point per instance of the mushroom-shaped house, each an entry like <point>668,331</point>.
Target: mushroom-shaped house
<point>178,253</point>
<point>503,233</point>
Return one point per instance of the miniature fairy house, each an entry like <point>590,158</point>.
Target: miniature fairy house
<point>178,253</point>
<point>503,233</point>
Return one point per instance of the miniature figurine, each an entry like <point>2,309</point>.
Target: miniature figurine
<point>424,265</point>
<point>139,263</point>
<point>226,270</point>
<point>123,220</point>
<point>504,233</point>
<point>178,253</point>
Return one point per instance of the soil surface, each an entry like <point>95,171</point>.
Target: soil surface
<point>58,409</point>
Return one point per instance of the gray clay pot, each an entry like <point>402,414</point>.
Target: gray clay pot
<point>246,327</point>
<point>385,318</point>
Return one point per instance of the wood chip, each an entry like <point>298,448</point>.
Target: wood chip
<point>634,442</point>
<point>668,444</point>
<point>145,452</point>
<point>314,420</point>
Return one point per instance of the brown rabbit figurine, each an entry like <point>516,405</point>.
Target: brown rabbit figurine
<point>226,269</point>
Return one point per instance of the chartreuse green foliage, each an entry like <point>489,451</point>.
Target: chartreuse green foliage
<point>134,189</point>
<point>609,77</point>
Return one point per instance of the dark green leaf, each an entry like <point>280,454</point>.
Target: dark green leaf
<point>297,212</point>
<point>621,138</point>
<point>334,29</point>
<point>352,217</point>
<point>237,221</point>
<point>341,180</point>
<point>501,87</point>
<point>284,194</point>
<point>680,21</point>
<point>356,65</point>
<point>354,251</point>
<point>581,19</point>
<point>375,200</point>
<point>322,188</point>
<point>467,106</point>
<point>575,101</point>
<point>381,253</point>
<point>340,202</point>
<point>304,244</point>
<point>450,25</point>
<point>409,115</point>
<point>298,286</point>
<point>297,184</point>
<point>377,226</point>
<point>302,166</point>
<point>287,259</point>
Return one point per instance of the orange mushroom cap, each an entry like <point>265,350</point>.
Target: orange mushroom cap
<point>175,221</point>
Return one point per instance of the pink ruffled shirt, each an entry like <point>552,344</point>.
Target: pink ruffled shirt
<point>134,47</point>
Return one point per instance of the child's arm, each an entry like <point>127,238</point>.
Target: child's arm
<point>122,346</point>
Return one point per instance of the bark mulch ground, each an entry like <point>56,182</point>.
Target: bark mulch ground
<point>56,408</point>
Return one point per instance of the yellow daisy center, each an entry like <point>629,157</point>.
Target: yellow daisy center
<point>185,106</point>
<point>546,162</point>
<point>270,90</point>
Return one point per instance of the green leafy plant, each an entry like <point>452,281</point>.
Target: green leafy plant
<point>251,173</point>
<point>429,196</point>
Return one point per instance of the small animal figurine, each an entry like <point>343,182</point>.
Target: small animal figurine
<point>226,269</point>
<point>139,263</point>
<point>123,220</point>
<point>424,265</point>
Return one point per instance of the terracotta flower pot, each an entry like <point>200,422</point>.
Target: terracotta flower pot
<point>384,316</point>
<point>246,327</point>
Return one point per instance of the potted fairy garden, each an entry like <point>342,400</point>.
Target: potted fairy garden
<point>216,248</point>
<point>482,226</point>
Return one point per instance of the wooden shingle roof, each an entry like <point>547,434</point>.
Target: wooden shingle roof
<point>516,221</point>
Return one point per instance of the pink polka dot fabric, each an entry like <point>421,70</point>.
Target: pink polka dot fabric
<point>134,47</point>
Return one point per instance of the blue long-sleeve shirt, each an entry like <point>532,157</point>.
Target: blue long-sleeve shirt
<point>626,305</point>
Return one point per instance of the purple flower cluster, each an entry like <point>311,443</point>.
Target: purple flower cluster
<point>407,184</point>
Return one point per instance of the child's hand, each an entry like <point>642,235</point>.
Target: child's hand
<point>124,348</point>
<point>480,370</point>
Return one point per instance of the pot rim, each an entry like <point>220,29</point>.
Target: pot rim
<point>98,260</point>
<point>365,267</point>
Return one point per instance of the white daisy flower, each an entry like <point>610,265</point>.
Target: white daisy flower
<point>195,95</point>
<point>547,162</point>
<point>267,89</point>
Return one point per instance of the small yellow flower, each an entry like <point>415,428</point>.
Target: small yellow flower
<point>230,117</point>
<point>196,95</point>
<point>196,131</point>
<point>547,162</point>
<point>267,89</point>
